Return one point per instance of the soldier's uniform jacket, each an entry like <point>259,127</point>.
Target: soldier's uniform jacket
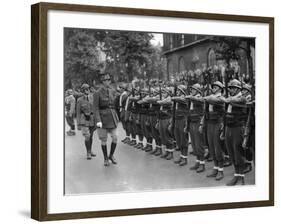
<point>165,111</point>
<point>70,104</point>
<point>104,107</point>
<point>85,111</point>
<point>182,109</point>
<point>215,109</point>
<point>196,110</point>
<point>236,115</point>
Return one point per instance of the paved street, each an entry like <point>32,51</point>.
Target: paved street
<point>136,170</point>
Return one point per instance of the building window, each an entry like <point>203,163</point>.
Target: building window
<point>211,58</point>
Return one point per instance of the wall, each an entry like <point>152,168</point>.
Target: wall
<point>15,112</point>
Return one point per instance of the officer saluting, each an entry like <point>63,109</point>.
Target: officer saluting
<point>106,116</point>
<point>86,118</point>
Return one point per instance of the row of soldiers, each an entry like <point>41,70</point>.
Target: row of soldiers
<point>217,120</point>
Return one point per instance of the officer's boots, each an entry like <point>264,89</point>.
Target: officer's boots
<point>88,148</point>
<point>104,151</point>
<point>112,150</point>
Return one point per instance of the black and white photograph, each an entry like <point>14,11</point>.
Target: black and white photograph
<point>149,111</point>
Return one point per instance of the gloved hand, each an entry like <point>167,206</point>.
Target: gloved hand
<point>99,125</point>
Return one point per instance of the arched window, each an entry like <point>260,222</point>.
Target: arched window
<point>181,64</point>
<point>211,58</point>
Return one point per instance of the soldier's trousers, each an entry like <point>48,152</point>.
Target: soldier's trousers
<point>137,122</point>
<point>70,122</point>
<point>166,139</point>
<point>132,125</point>
<point>233,141</point>
<point>197,141</point>
<point>214,141</point>
<point>155,133</point>
<point>124,122</point>
<point>145,127</point>
<point>180,135</point>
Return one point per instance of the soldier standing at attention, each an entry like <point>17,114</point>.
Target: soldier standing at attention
<point>196,111</point>
<point>214,128</point>
<point>86,119</point>
<point>236,117</point>
<point>106,116</point>
<point>180,120</point>
<point>70,109</point>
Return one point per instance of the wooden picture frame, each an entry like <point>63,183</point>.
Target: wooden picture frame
<point>39,108</point>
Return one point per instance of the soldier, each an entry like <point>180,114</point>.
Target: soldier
<point>181,111</point>
<point>106,117</point>
<point>194,119</point>
<point>122,104</point>
<point>70,111</point>
<point>86,119</point>
<point>235,120</point>
<point>165,115</point>
<point>214,127</point>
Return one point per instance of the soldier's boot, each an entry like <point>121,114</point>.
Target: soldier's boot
<point>125,139</point>
<point>233,181</point>
<point>247,168</point>
<point>178,161</point>
<point>148,148</point>
<point>169,156</point>
<point>183,162</point>
<point>214,172</point>
<point>153,152</point>
<point>220,175</point>
<point>201,168</point>
<point>159,151</point>
<point>112,150</point>
<point>164,155</point>
<point>139,145</point>
<point>104,151</point>
<point>133,142</point>
<point>195,166</point>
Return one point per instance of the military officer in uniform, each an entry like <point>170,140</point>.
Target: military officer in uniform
<point>85,118</point>
<point>106,117</point>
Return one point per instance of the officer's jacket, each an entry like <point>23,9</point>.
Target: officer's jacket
<point>85,111</point>
<point>70,104</point>
<point>104,107</point>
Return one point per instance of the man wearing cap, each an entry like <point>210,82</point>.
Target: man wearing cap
<point>106,117</point>
<point>196,111</point>
<point>70,110</point>
<point>214,127</point>
<point>236,117</point>
<point>85,118</point>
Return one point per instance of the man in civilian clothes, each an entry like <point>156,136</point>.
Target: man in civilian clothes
<point>85,118</point>
<point>106,117</point>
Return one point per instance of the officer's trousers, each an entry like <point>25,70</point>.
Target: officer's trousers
<point>233,141</point>
<point>180,135</point>
<point>197,141</point>
<point>214,141</point>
